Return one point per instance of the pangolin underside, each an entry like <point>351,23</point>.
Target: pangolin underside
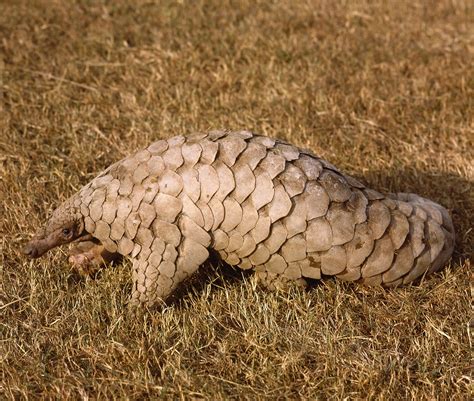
<point>261,203</point>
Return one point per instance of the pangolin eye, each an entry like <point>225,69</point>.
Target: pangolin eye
<point>66,231</point>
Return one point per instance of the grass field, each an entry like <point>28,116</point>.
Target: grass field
<point>384,90</point>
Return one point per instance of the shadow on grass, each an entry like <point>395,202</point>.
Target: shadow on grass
<point>215,272</point>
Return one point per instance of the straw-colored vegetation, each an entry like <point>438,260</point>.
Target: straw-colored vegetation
<point>384,90</point>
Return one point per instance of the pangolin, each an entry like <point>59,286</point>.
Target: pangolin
<point>261,203</point>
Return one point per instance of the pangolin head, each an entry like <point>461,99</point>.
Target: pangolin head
<point>65,225</point>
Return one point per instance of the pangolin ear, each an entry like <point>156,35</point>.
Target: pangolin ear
<point>79,226</point>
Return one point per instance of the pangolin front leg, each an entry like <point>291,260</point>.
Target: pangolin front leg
<point>262,204</point>
<point>88,257</point>
<point>174,255</point>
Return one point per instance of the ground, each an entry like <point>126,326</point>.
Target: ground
<point>383,90</point>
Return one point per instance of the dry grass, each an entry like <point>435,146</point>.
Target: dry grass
<point>382,89</point>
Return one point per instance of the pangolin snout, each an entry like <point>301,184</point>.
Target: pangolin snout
<point>30,250</point>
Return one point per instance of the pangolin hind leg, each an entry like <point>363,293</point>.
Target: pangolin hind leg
<point>274,281</point>
<point>276,274</point>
